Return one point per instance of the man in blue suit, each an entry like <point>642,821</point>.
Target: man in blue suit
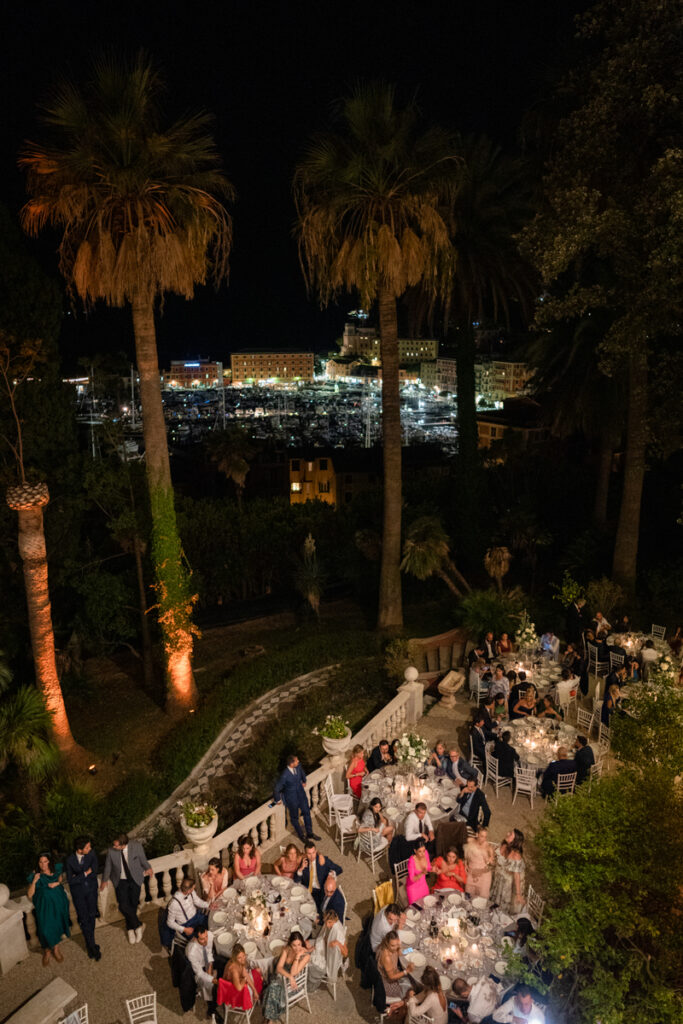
<point>314,871</point>
<point>291,788</point>
<point>81,874</point>
<point>330,898</point>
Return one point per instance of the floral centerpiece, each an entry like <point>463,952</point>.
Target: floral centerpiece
<point>665,667</point>
<point>526,635</point>
<point>412,748</point>
<point>334,733</point>
<point>199,821</point>
<point>255,913</point>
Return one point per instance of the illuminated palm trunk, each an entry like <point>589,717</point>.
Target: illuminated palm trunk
<point>390,616</point>
<point>28,502</point>
<point>172,584</point>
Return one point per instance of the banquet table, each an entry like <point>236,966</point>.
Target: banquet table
<point>543,672</point>
<point>288,907</point>
<point>632,643</point>
<point>537,740</point>
<point>400,789</point>
<point>457,936</point>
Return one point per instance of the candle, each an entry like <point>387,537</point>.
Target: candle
<point>474,948</point>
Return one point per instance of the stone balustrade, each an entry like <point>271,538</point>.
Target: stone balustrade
<point>266,825</point>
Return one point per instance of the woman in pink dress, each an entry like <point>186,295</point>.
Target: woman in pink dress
<point>247,859</point>
<point>418,868</point>
<point>356,770</point>
<point>479,858</point>
<point>214,880</point>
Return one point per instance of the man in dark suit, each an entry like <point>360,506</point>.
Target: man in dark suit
<point>476,654</point>
<point>330,899</point>
<point>314,870</point>
<point>506,755</point>
<point>471,803</point>
<point>458,768</point>
<point>584,758</point>
<point>380,756</point>
<point>576,622</point>
<point>479,738</point>
<point>563,766</point>
<point>81,874</point>
<point>291,788</point>
<point>489,645</point>
<point>127,865</point>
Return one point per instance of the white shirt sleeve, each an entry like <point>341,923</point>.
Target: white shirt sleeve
<point>176,917</point>
<point>199,903</point>
<point>412,827</point>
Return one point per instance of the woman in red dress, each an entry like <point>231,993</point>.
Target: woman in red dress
<point>451,872</point>
<point>356,770</point>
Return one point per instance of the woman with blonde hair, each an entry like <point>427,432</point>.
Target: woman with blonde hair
<point>479,858</point>
<point>431,1001</point>
<point>356,770</point>
<point>507,890</point>
<point>239,988</point>
<point>289,862</point>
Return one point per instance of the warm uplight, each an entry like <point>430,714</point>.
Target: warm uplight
<point>92,768</point>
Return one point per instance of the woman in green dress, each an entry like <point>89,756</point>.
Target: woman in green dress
<point>51,905</point>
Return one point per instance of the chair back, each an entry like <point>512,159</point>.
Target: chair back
<point>566,782</point>
<point>142,1009</point>
<point>584,721</point>
<point>658,632</point>
<point>301,979</point>
<point>329,789</point>
<point>604,734</point>
<point>525,780</point>
<point>615,661</point>
<point>401,870</point>
<point>79,1016</point>
<point>535,906</point>
<point>491,768</point>
<point>382,895</point>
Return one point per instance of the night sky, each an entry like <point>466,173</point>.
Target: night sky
<point>269,72</point>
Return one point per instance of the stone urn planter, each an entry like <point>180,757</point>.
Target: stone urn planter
<point>336,747</point>
<point>199,835</point>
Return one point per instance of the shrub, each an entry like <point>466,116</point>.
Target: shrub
<point>604,595</point>
<point>398,655</point>
<point>482,610</point>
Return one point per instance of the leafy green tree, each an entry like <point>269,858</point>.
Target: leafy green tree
<point>368,201</point>
<point>482,610</point>
<point>25,726</point>
<point>140,209</point>
<point>650,735</point>
<point>426,552</point>
<point>231,450</point>
<point>607,240</point>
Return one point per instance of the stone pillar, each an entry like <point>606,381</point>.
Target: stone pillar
<point>13,946</point>
<point>336,765</point>
<point>415,690</point>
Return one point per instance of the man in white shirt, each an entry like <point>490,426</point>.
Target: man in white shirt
<point>199,952</point>
<point>648,656</point>
<point>418,825</point>
<point>519,1009</point>
<point>602,626</point>
<point>481,998</point>
<point>386,920</point>
<point>184,909</point>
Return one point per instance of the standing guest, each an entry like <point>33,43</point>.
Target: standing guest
<point>576,622</point>
<point>506,754</point>
<point>550,644</point>
<point>431,1001</point>
<point>186,911</point>
<point>476,654</point>
<point>450,871</point>
<point>291,788</point>
<point>563,766</point>
<point>546,709</point>
<point>51,905</point>
<point>373,820</point>
<point>504,645</point>
<point>81,874</point>
<point>507,889</point>
<point>356,770</point>
<point>127,865</point>
<point>389,918</point>
<point>519,1009</point>
<point>293,958</point>
<point>289,862</point>
<point>332,898</point>
<point>247,860</point>
<point>438,756</point>
<point>380,756</point>
<point>479,738</point>
<point>246,984</point>
<point>525,706</point>
<point>479,859</point>
<point>418,827</point>
<point>602,626</point>
<point>584,759</point>
<point>199,953</point>
<point>489,645</point>
<point>458,768</point>
<point>471,803</point>
<point>314,869</point>
<point>214,880</point>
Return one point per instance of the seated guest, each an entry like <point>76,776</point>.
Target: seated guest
<point>571,660</point>
<point>373,820</point>
<point>584,758</point>
<point>390,918</point>
<point>550,645</point>
<point>247,859</point>
<point>648,656</point>
<point>488,712</point>
<point>199,953</point>
<point>356,770</point>
<point>479,738</point>
<point>289,862</point>
<point>623,625</point>
<point>519,1009</point>
<point>380,756</point>
<point>329,951</point>
<point>474,1002</point>
<point>418,827</point>
<point>459,768</point>
<point>489,645</point>
<point>186,911</point>
<point>499,683</point>
<point>240,988</point>
<point>393,750</point>
<point>394,974</point>
<point>632,667</point>
<point>293,958</point>
<point>430,1003</point>
<point>617,677</point>
<point>419,867</point>
<point>602,626</point>
<point>471,803</point>
<point>214,880</point>
<point>500,705</point>
<point>504,645</point>
<point>438,756</point>
<point>524,682</point>
<point>451,872</point>
<point>525,706</point>
<point>546,709</point>
<point>332,899</point>
<point>610,704</point>
<point>476,678</point>
<point>603,647</point>
<point>506,755</point>
<point>563,766</point>
<point>314,869</point>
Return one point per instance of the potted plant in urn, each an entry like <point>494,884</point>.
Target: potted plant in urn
<point>335,735</point>
<point>199,821</point>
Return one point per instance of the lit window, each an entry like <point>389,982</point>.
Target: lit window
<point>296,486</point>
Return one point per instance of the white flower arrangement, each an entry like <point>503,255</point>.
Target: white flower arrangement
<point>665,666</point>
<point>526,635</point>
<point>411,747</point>
<point>255,907</point>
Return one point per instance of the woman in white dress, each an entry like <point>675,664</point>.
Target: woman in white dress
<point>329,952</point>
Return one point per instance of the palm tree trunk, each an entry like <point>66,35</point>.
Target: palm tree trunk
<point>390,615</point>
<point>145,636</point>
<point>605,457</point>
<point>34,558</point>
<point>449,582</point>
<point>173,596</point>
<point>458,575</point>
<point>626,545</point>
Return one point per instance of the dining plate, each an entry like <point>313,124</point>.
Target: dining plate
<point>308,909</point>
<point>250,948</point>
<point>276,946</point>
<point>473,980</point>
<point>479,902</point>
<point>504,919</point>
<point>225,939</point>
<point>242,900</point>
<point>501,967</point>
<point>220,917</point>
<point>435,811</point>
<point>298,892</point>
<point>486,940</point>
<point>251,881</point>
<point>406,937</point>
<point>412,914</point>
<point>277,881</point>
<point>417,959</point>
<point>444,982</point>
<point>454,897</point>
<point>392,812</point>
<point>429,901</point>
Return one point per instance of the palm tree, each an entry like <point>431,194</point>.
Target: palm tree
<point>426,552</point>
<point>140,212</point>
<point>487,211</point>
<point>309,578</point>
<point>25,723</point>
<point>231,450</point>
<point>497,565</point>
<point>367,200</point>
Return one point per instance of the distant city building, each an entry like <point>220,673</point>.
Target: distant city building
<point>198,373</point>
<point>498,379</point>
<point>354,369</point>
<point>519,416</point>
<point>359,340</point>
<point>284,366</point>
<point>342,367</point>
